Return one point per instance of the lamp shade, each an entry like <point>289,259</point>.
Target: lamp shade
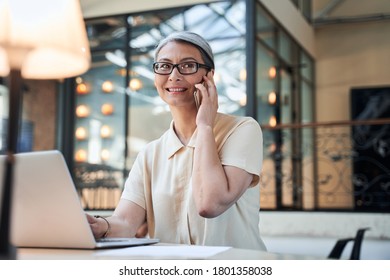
<point>44,39</point>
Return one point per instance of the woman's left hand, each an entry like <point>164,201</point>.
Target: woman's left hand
<point>207,92</point>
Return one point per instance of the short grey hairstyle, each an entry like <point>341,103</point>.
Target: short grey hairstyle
<point>192,38</point>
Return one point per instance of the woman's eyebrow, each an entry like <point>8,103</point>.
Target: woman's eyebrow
<point>164,59</point>
<point>188,58</point>
<point>182,60</point>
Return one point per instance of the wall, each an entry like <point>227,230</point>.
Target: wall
<point>40,107</point>
<point>349,55</point>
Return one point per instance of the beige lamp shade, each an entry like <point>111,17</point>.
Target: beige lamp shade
<point>45,39</point>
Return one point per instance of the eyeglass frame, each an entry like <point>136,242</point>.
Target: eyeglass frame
<point>198,65</point>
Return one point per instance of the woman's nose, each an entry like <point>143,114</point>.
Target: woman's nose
<point>175,74</point>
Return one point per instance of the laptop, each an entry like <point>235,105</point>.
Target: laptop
<point>46,209</point>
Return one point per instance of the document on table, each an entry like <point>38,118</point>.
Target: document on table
<point>161,251</point>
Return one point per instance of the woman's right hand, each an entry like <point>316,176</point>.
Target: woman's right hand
<point>207,110</point>
<point>97,225</point>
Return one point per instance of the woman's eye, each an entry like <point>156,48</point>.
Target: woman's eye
<point>165,66</point>
<point>188,65</point>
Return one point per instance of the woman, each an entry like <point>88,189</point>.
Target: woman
<point>198,183</point>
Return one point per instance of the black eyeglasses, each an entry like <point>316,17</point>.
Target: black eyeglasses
<point>184,68</point>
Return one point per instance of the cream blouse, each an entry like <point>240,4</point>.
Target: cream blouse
<point>161,182</point>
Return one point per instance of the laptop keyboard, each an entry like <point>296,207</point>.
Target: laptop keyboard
<point>112,240</point>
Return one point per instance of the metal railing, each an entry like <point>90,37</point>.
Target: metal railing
<point>341,165</point>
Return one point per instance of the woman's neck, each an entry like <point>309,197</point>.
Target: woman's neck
<point>184,124</point>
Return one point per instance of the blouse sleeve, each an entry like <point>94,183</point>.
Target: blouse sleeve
<point>134,185</point>
<point>244,149</point>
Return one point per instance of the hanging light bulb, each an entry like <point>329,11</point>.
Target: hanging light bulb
<point>243,100</point>
<point>82,111</point>
<point>272,121</point>
<point>243,74</point>
<point>272,148</point>
<point>135,84</point>
<point>105,131</point>
<point>272,98</point>
<point>83,88</point>
<point>272,72</point>
<point>107,86</point>
<point>81,133</point>
<point>107,109</point>
<point>81,155</point>
<point>105,154</point>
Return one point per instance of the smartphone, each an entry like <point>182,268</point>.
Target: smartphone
<point>197,97</point>
<point>197,101</point>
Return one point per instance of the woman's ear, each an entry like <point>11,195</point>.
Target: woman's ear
<point>210,74</point>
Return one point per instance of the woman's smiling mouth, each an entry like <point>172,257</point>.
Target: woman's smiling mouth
<point>176,90</point>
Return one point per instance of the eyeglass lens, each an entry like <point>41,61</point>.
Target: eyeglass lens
<point>166,68</point>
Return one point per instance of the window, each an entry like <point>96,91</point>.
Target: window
<point>304,7</point>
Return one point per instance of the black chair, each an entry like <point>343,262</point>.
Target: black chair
<point>341,243</point>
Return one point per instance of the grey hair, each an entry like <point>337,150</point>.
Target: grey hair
<point>192,38</point>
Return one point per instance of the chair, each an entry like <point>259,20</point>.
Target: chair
<point>341,243</point>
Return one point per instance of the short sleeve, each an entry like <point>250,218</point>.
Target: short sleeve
<point>244,148</point>
<point>134,185</point>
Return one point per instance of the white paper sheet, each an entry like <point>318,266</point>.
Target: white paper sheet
<point>161,251</point>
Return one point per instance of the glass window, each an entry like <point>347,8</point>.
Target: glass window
<point>106,33</point>
<point>266,85</point>
<point>279,101</point>
<point>306,103</point>
<point>306,67</point>
<point>99,134</point>
<point>304,6</point>
<point>265,27</point>
<point>285,47</point>
<point>306,9</point>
